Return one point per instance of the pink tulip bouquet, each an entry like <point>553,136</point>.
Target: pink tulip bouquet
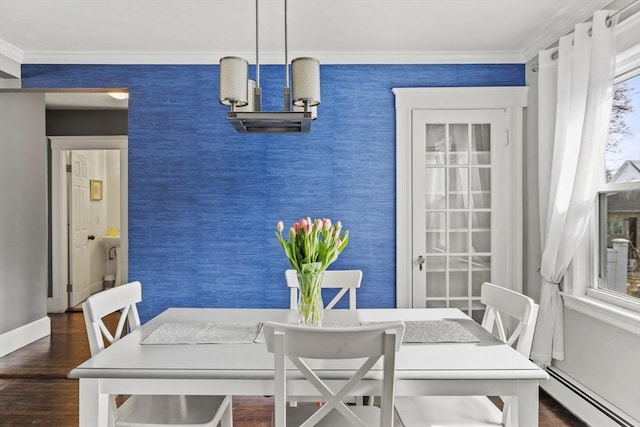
<point>313,245</point>
<point>311,248</point>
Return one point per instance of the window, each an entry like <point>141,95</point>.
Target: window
<point>619,197</point>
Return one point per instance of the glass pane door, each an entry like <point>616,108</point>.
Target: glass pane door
<point>453,206</point>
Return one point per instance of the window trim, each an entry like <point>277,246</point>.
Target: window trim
<point>611,299</point>
<point>615,298</point>
<point>594,306</point>
<point>600,256</point>
<point>627,67</point>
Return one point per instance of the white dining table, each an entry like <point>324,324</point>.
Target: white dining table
<point>129,366</point>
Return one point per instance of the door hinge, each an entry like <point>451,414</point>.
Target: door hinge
<point>68,168</point>
<point>70,288</point>
<point>506,131</point>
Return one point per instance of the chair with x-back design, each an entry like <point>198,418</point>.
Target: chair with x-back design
<point>307,348</point>
<point>146,410</point>
<point>343,280</point>
<point>501,304</point>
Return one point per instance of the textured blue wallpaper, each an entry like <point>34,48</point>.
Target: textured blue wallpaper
<point>204,200</point>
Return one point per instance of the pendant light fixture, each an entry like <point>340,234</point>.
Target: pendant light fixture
<point>244,96</point>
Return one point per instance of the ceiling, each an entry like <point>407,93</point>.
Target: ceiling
<point>334,31</point>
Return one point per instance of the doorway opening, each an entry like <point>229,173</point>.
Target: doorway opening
<point>88,164</point>
<point>83,230</point>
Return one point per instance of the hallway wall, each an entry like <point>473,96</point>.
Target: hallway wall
<point>23,221</point>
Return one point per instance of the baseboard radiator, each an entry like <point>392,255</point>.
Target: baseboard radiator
<point>584,403</point>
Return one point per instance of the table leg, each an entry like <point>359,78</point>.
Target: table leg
<point>93,405</point>
<point>525,412</point>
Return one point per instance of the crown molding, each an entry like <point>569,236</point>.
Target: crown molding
<point>112,57</point>
<point>421,57</point>
<point>380,57</point>
<point>11,51</point>
<point>628,61</point>
<point>632,23</point>
<point>557,27</point>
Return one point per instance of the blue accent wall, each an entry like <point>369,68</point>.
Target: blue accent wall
<point>204,200</point>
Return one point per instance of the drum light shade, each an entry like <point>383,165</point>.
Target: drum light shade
<point>234,73</point>
<point>306,81</point>
<point>250,107</point>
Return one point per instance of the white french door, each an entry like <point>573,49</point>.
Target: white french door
<point>458,200</point>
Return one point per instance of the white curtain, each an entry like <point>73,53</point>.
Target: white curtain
<point>575,96</point>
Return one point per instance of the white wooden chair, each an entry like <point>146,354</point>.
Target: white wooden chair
<point>301,344</point>
<point>345,280</point>
<point>444,411</point>
<point>146,410</point>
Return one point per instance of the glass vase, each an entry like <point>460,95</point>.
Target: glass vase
<point>310,305</point>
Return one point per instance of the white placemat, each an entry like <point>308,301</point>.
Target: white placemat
<point>436,331</point>
<point>204,333</point>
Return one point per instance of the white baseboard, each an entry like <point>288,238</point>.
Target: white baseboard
<point>584,403</point>
<point>57,305</point>
<point>26,334</point>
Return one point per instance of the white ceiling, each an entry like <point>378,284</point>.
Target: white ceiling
<point>334,31</point>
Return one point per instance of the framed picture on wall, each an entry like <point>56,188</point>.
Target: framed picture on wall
<point>95,189</point>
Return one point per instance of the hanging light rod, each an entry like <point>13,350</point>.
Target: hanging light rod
<point>244,96</point>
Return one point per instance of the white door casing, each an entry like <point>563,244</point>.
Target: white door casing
<point>58,302</point>
<point>78,228</point>
<point>505,101</point>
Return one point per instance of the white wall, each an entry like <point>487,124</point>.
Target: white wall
<point>103,165</point>
<point>113,189</point>
<point>112,193</point>
<point>97,224</point>
<point>23,220</point>
<point>604,358</point>
<point>532,249</point>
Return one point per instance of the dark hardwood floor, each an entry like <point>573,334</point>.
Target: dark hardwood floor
<point>35,390</point>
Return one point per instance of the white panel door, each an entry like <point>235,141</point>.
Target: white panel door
<point>458,199</point>
<point>78,226</point>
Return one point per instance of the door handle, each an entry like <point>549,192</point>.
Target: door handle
<point>421,261</point>
<point>91,237</point>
